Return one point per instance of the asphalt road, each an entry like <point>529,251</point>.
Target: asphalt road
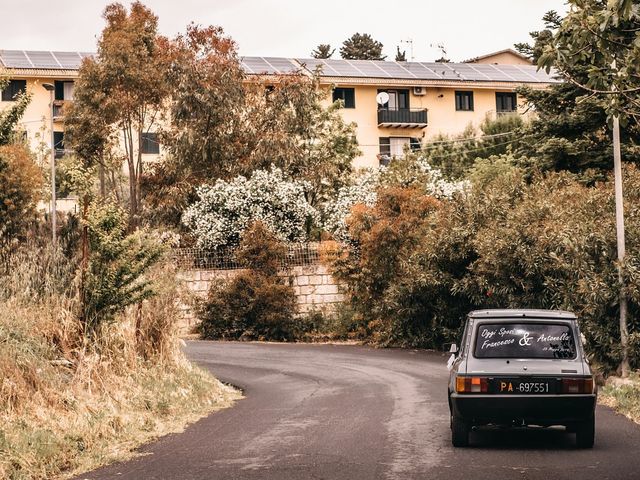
<point>346,412</point>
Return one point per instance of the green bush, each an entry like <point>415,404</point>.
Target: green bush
<point>117,264</point>
<point>256,303</point>
<point>384,236</point>
<point>20,189</point>
<point>413,273</point>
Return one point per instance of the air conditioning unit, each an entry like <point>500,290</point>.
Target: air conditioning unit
<point>419,91</point>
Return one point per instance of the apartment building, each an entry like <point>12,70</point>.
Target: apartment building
<point>396,105</point>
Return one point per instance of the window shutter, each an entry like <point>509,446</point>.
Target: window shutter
<point>58,144</point>
<point>349,98</point>
<point>14,88</point>
<point>59,87</point>
<point>403,99</point>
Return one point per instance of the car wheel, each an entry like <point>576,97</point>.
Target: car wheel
<point>459,432</point>
<point>585,433</point>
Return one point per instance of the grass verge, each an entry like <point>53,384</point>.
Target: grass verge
<point>623,396</point>
<point>71,401</point>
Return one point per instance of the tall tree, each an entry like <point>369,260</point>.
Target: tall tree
<point>292,130</point>
<point>323,50</point>
<point>223,127</point>
<point>606,37</point>
<point>128,75</point>
<point>401,56</point>
<point>570,129</point>
<point>205,139</point>
<point>361,46</point>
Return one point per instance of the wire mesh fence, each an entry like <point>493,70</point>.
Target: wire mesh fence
<point>301,254</point>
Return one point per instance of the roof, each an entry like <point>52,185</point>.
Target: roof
<point>522,312</point>
<point>386,70</point>
<point>334,70</point>
<point>30,59</point>
<point>499,52</point>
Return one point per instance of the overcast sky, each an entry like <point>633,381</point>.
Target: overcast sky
<point>292,28</point>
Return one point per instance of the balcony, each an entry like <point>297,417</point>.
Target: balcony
<point>58,110</point>
<point>402,118</point>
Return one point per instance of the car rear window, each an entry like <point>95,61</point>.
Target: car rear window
<point>524,340</point>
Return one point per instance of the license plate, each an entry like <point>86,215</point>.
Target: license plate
<point>523,387</point>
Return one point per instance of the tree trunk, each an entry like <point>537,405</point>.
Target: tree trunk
<point>84,262</point>
<point>133,204</point>
<point>139,173</point>
<point>103,187</point>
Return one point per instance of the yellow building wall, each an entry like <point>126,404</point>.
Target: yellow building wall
<point>504,58</point>
<point>442,117</point>
<point>37,117</point>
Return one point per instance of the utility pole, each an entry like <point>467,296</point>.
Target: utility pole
<point>617,170</point>
<point>50,88</point>
<point>617,178</point>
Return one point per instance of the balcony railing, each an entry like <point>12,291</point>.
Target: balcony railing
<point>402,118</point>
<point>58,109</point>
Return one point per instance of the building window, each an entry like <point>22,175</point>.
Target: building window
<point>464,101</point>
<point>398,100</point>
<point>347,95</point>
<point>506,102</point>
<point>150,143</point>
<point>394,147</point>
<point>63,90</point>
<point>58,144</point>
<point>13,89</point>
<point>385,147</point>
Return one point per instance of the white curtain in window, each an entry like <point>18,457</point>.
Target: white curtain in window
<point>397,145</point>
<point>68,90</point>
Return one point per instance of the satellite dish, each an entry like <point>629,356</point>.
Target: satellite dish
<point>382,98</point>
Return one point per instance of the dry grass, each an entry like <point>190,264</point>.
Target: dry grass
<point>68,403</point>
<point>623,398</point>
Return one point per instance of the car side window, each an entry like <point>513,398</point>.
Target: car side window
<point>463,340</point>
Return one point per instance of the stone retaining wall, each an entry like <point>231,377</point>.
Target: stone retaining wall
<point>313,285</point>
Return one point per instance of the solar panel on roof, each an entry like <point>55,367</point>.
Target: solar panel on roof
<point>446,71</point>
<point>282,65</point>
<point>370,69</point>
<point>325,67</point>
<point>69,60</point>
<point>470,73</point>
<point>521,74</point>
<point>392,70</point>
<point>343,68</point>
<point>328,70</point>
<point>15,59</point>
<point>42,59</point>
<point>397,70</point>
<point>493,72</point>
<point>258,65</point>
<point>422,71</point>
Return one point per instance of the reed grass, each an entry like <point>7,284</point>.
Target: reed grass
<point>72,401</point>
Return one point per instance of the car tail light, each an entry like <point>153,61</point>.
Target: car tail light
<point>577,385</point>
<point>472,385</point>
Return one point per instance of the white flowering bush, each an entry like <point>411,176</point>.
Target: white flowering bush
<point>434,182</point>
<point>225,209</point>
<point>363,190</point>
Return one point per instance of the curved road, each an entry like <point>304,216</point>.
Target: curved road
<point>346,412</point>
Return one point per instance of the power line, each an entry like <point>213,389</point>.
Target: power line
<point>455,140</point>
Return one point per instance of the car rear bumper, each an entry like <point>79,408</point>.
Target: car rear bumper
<point>527,409</point>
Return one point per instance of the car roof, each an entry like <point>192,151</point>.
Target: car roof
<point>523,313</point>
